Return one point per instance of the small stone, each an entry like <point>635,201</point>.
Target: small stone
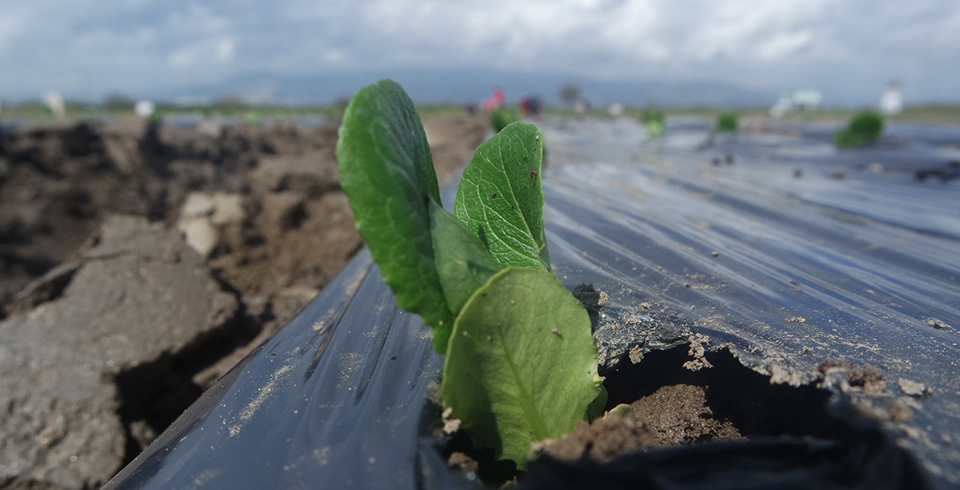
<point>913,388</point>
<point>197,205</point>
<point>228,208</point>
<point>937,324</point>
<point>200,234</point>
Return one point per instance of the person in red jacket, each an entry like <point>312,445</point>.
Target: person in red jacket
<point>494,101</point>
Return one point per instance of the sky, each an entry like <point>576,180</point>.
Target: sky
<point>848,49</point>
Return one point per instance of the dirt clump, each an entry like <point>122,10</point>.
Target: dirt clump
<point>672,415</point>
<point>679,414</point>
<point>846,377</point>
<point>660,403</point>
<point>60,185</point>
<point>463,462</point>
<point>76,375</point>
<point>602,440</point>
<point>139,261</point>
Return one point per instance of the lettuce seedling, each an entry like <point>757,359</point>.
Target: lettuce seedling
<point>727,123</point>
<point>500,118</point>
<point>865,127</point>
<point>520,362</point>
<point>652,121</point>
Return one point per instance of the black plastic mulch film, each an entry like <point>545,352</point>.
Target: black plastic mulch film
<point>772,247</point>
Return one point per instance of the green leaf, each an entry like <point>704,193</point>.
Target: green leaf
<point>387,173</point>
<point>463,263</point>
<point>521,364</point>
<point>501,198</point>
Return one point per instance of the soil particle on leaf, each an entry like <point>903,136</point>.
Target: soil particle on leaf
<point>450,425</point>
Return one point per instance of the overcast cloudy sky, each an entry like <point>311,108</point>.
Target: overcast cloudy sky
<point>86,48</point>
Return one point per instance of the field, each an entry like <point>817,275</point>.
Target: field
<point>931,114</point>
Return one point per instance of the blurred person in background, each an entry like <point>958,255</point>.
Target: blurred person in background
<point>495,101</point>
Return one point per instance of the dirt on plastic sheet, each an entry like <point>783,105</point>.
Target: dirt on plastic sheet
<point>662,402</point>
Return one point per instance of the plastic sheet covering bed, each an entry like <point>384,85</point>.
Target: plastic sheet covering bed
<point>771,245</point>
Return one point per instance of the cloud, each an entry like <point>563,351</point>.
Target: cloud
<point>784,44</point>
<point>225,49</point>
<point>844,47</point>
<point>202,53</point>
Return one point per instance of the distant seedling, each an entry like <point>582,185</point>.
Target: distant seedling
<point>500,118</point>
<point>520,364</point>
<point>727,123</point>
<point>653,121</point>
<point>864,128</point>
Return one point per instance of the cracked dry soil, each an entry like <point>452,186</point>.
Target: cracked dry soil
<point>140,261</point>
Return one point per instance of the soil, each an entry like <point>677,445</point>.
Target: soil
<point>662,402</point>
<point>263,219</point>
<point>688,395</point>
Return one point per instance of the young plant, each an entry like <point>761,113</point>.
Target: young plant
<point>520,363</point>
<point>500,118</point>
<point>727,123</point>
<point>864,128</point>
<point>652,121</point>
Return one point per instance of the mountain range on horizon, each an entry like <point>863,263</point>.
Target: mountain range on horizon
<point>471,86</point>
